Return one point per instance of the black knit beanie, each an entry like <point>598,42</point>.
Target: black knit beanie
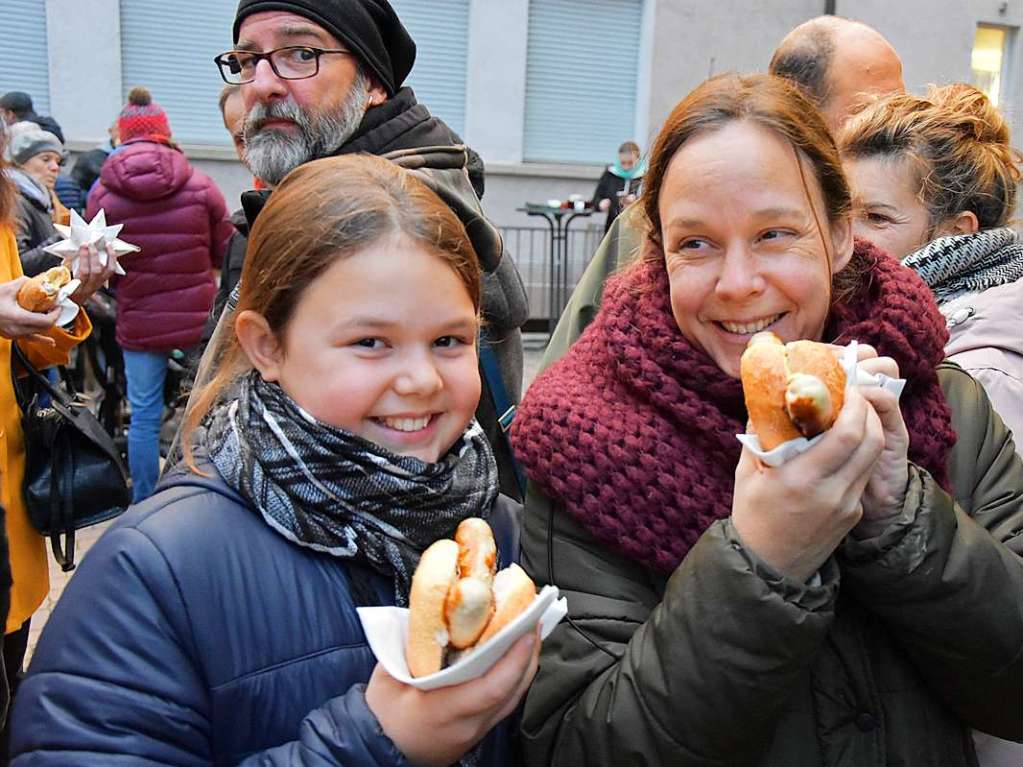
<point>370,28</point>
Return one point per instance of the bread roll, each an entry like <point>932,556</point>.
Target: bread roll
<point>427,629</point>
<point>39,293</point>
<point>792,390</point>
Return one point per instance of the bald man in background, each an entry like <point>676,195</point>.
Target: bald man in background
<point>837,62</point>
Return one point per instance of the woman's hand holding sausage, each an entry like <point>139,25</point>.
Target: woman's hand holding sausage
<point>794,516</point>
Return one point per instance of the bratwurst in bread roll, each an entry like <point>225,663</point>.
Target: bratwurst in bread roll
<point>457,601</point>
<point>39,293</point>
<point>792,390</point>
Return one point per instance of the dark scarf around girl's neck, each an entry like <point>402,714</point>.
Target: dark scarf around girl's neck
<point>327,489</point>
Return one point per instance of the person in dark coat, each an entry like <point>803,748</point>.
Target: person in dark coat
<point>69,193</point>
<point>16,106</point>
<point>89,164</point>
<point>856,605</point>
<point>178,218</point>
<point>215,623</point>
<point>24,575</point>
<point>37,156</point>
<point>351,100</point>
<point>620,184</point>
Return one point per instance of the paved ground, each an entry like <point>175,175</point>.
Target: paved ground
<point>58,580</point>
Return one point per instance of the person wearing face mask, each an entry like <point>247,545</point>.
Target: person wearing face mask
<point>36,157</point>
<point>934,182</point>
<point>857,605</point>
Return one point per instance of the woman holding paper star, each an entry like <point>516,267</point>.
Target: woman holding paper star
<point>859,604</point>
<point>45,345</point>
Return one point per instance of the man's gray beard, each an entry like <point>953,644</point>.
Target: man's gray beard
<point>272,154</point>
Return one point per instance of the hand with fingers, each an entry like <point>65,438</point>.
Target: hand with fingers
<point>17,322</point>
<point>795,515</point>
<point>92,273</point>
<point>437,727</point>
<point>885,493</point>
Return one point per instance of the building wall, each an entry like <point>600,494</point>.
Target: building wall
<point>683,42</point>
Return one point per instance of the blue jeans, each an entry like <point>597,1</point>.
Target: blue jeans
<point>145,372</point>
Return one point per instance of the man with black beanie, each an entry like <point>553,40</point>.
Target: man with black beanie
<point>352,101</point>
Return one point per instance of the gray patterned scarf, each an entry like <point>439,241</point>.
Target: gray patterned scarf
<point>959,264</point>
<point>332,491</point>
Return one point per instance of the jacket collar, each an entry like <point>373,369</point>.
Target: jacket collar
<point>399,124</point>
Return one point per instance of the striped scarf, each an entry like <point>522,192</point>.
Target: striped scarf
<point>968,263</point>
<point>329,490</point>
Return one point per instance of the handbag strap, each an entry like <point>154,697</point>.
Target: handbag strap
<point>503,404</point>
<point>58,394</point>
<point>62,517</point>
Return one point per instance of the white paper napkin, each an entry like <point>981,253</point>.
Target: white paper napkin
<point>387,628</point>
<point>97,233</point>
<point>854,375</point>
<point>68,308</point>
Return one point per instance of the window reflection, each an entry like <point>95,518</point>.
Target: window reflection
<point>989,48</point>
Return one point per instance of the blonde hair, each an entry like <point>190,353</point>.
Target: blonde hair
<point>959,143</point>
<point>323,211</point>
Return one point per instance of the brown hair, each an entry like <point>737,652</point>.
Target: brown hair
<point>7,194</point>
<point>959,142</point>
<point>629,146</point>
<point>777,105</point>
<point>323,211</point>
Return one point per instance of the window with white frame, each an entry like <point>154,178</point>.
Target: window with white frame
<point>24,63</point>
<point>582,69</point>
<point>441,31</point>
<point>169,47</point>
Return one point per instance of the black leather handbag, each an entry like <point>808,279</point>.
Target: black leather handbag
<point>74,476</point>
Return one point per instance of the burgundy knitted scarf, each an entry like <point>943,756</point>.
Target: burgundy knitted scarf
<point>633,431</point>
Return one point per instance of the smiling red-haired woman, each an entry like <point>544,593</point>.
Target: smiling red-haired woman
<point>858,604</point>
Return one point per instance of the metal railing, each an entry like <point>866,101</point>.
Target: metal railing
<point>530,249</point>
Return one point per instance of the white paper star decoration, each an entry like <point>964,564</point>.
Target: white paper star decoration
<point>95,232</point>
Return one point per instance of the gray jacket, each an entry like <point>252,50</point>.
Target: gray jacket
<point>986,340</point>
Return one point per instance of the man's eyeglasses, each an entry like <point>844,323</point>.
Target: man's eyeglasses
<point>295,62</point>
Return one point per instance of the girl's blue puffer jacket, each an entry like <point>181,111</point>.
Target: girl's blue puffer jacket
<point>193,634</point>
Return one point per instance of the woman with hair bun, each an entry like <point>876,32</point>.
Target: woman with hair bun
<point>934,182</point>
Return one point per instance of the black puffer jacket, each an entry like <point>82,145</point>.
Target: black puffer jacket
<point>909,640</point>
